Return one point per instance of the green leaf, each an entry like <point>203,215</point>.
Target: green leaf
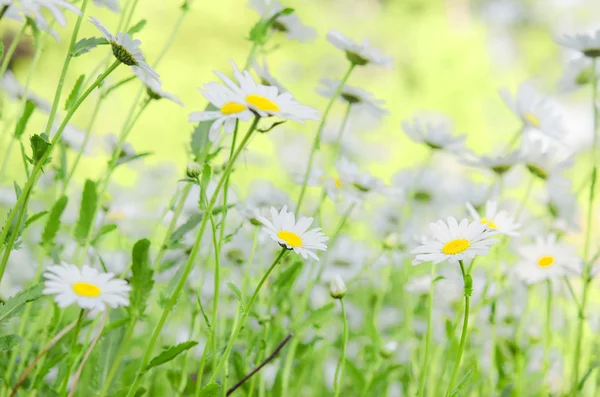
<point>438,278</point>
<point>201,145</point>
<point>260,31</point>
<point>188,226</point>
<point>104,229</point>
<point>9,342</point>
<point>39,146</point>
<point>170,353</point>
<point>85,45</point>
<point>34,218</point>
<point>462,382</point>
<point>316,317</point>
<point>1,49</point>
<point>587,374</point>
<point>141,282</point>
<point>137,27</point>
<point>203,312</point>
<point>87,210</point>
<point>287,278</point>
<point>140,392</point>
<point>53,222</point>
<point>14,304</point>
<point>236,291</point>
<point>74,92</point>
<point>22,123</point>
<point>210,390</point>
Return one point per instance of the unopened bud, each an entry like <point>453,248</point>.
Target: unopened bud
<point>193,170</point>
<point>337,288</point>
<point>388,349</point>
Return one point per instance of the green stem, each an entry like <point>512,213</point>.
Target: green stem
<point>338,140</point>
<point>317,140</point>
<point>7,156</point>
<point>547,330</point>
<point>11,49</point>
<point>424,369</point>
<point>190,263</point>
<point>463,336</point>
<point>119,357</point>
<point>338,377</point>
<point>71,358</point>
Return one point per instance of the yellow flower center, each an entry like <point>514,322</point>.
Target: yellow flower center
<point>291,238</point>
<point>338,183</point>
<point>455,246</point>
<point>86,289</point>
<point>262,103</point>
<point>116,215</point>
<point>232,107</point>
<point>490,223</point>
<point>546,261</point>
<point>530,117</point>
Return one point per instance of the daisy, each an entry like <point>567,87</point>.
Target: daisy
<point>534,110</point>
<point>264,73</point>
<point>499,221</point>
<point>112,5</point>
<point>86,287</point>
<point>543,162</point>
<point>353,95</point>
<point>290,24</point>
<point>294,235</point>
<point>33,9</point>
<point>546,259</point>
<point>351,183</point>
<point>358,54</point>
<point>337,287</point>
<point>454,242</point>
<point>127,150</point>
<point>154,89</point>
<point>127,50</point>
<point>578,73</point>
<point>499,164</point>
<point>588,44</point>
<point>435,132</point>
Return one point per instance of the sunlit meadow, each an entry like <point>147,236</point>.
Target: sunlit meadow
<point>315,198</point>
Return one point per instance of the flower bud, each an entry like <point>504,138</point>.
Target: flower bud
<point>337,288</point>
<point>388,349</point>
<point>193,170</point>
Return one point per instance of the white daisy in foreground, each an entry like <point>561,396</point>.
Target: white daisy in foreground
<point>435,132</point>
<point>455,242</point>
<point>86,287</point>
<point>546,259</point>
<point>534,110</point>
<point>355,96</point>
<point>290,24</point>
<point>112,5</point>
<point>127,50</point>
<point>499,221</point>
<point>294,235</point>
<point>358,54</point>
<point>32,8</point>
<point>587,43</point>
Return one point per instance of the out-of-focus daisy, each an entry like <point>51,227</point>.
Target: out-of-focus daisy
<point>424,186</point>
<point>534,110</point>
<point>351,183</point>
<point>587,43</point>
<point>358,54</point>
<point>546,259</point>
<point>295,235</point>
<point>498,164</point>
<point>353,95</point>
<point>112,5</point>
<point>435,132</point>
<point>562,203</point>
<point>86,287</point>
<point>75,138</point>
<point>154,88</point>
<point>454,241</point>
<point>346,258</point>
<point>127,50</point>
<point>578,73</point>
<point>499,221</point>
<point>264,73</point>
<point>290,24</point>
<point>15,91</point>
<point>127,150</point>
<point>544,163</point>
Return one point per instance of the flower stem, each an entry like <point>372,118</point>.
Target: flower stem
<point>119,357</point>
<point>317,140</point>
<point>547,331</point>
<point>337,380</point>
<point>11,49</point>
<point>424,369</point>
<point>71,357</point>
<point>468,285</point>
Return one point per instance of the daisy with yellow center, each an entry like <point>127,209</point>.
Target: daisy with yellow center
<point>547,259</point>
<point>294,235</point>
<point>87,287</point>
<point>455,241</point>
<point>498,221</point>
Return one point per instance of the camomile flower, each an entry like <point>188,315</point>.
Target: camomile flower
<point>578,73</point>
<point>499,164</point>
<point>154,88</point>
<point>112,5</point>
<point>543,162</point>
<point>499,221</point>
<point>264,73</point>
<point>535,111</point>
<point>127,151</point>
<point>546,259</point>
<point>127,50</point>
<point>357,97</point>
<point>587,43</point>
<point>435,131</point>
<point>454,242</point>
<point>32,8</point>
<point>86,287</point>
<point>351,183</point>
<point>294,235</point>
<point>290,24</point>
<point>562,203</point>
<point>358,54</point>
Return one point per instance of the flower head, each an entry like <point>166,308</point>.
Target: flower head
<point>154,88</point>
<point>86,287</point>
<point>355,96</point>
<point>352,183</point>
<point>546,259</point>
<point>499,221</point>
<point>337,288</point>
<point>587,43</point>
<point>289,24</point>
<point>435,132</point>
<point>112,5</point>
<point>294,235</point>
<point>358,54</point>
<point>578,73</point>
<point>497,163</point>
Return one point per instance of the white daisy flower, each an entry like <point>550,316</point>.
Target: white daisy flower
<point>499,164</point>
<point>435,132</point>
<point>127,151</point>
<point>112,5</point>
<point>587,43</point>
<point>351,183</point>
<point>535,111</point>
<point>424,186</point>
<point>499,221</point>
<point>86,287</point>
<point>578,73</point>
<point>127,50</point>
<point>353,95</point>
<point>154,88</point>
<point>291,25</point>
<point>546,259</point>
<point>294,235</point>
<point>358,54</point>
<point>32,8</point>
<point>543,162</point>
<point>264,73</point>
<point>562,204</point>
<point>454,242</point>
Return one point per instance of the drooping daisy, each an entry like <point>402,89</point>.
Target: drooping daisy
<point>154,88</point>
<point>543,162</point>
<point>86,287</point>
<point>499,221</point>
<point>294,235</point>
<point>355,96</point>
<point>358,54</point>
<point>435,131</point>
<point>352,183</point>
<point>290,24</point>
<point>15,91</point>
<point>127,150</point>
<point>454,242</point>
<point>546,259</point>
<point>499,164</point>
<point>264,73</point>
<point>535,111</point>
<point>112,5</point>
<point>127,50</point>
<point>577,74</point>
<point>587,43</point>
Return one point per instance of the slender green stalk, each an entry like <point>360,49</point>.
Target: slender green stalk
<point>71,357</point>
<point>6,156</point>
<point>190,263</point>
<point>425,367</point>
<point>11,49</point>
<point>547,331</point>
<point>337,380</point>
<point>468,281</point>
<point>119,357</point>
<point>338,140</point>
<point>317,140</point>
<point>520,354</point>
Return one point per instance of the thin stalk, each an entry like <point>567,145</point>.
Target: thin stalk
<point>547,330</point>
<point>71,357</point>
<point>338,140</point>
<point>11,49</point>
<point>119,357</point>
<point>424,368</point>
<point>317,140</point>
<point>337,380</point>
<point>6,156</point>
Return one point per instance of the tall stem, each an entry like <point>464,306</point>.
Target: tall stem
<point>547,330</point>
<point>337,380</point>
<point>71,357</point>
<point>424,369</point>
<point>119,357</point>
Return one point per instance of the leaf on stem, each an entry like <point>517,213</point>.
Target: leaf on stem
<point>74,92</point>
<point>87,210</point>
<point>9,342</point>
<point>86,45</point>
<point>14,304</point>
<point>170,353</point>
<point>137,27</point>
<point>53,222</point>
<point>22,123</point>
<point>141,282</point>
